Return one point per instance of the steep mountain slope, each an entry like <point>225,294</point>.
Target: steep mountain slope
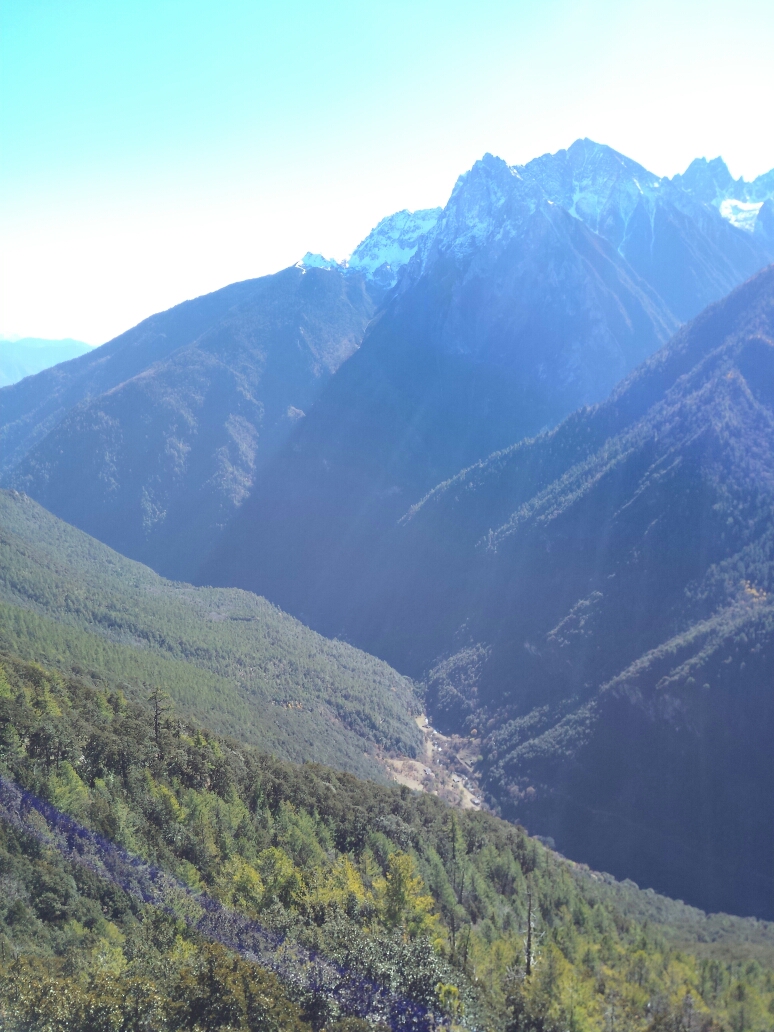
<point>30,410</point>
<point>153,443</point>
<point>30,355</point>
<point>537,289</point>
<point>158,436</point>
<point>225,656</point>
<point>382,885</point>
<point>598,605</point>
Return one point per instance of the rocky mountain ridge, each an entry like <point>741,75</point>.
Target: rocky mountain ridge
<point>685,227</point>
<point>538,288</point>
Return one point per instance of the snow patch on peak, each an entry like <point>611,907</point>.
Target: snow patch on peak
<point>392,244</point>
<point>742,214</point>
<point>317,261</point>
<point>385,250</point>
<point>738,201</point>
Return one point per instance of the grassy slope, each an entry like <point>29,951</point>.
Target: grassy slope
<point>226,656</point>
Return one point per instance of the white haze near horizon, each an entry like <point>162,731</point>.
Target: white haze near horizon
<point>155,151</point>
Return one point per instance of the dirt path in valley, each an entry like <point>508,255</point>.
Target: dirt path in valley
<point>447,768</point>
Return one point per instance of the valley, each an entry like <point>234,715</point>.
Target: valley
<point>389,642</point>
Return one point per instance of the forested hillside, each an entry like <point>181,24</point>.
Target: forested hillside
<point>226,656</point>
<point>455,911</point>
<point>596,603</point>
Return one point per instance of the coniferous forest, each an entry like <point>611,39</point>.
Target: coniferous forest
<point>458,912</point>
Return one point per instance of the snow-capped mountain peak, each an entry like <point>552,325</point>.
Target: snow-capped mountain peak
<point>392,244</point>
<point>615,197</point>
<point>317,261</point>
<point>386,249</point>
<point>738,201</point>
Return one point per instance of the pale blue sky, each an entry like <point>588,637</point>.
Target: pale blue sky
<point>152,151</point>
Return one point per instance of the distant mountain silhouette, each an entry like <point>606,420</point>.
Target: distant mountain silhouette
<point>29,355</point>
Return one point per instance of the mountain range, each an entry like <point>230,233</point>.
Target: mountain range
<point>413,451</point>
<point>532,295</point>
<point>533,291</point>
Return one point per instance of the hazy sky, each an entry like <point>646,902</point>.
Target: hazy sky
<point>153,151</point>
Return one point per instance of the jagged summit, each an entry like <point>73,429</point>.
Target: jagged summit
<point>657,225</point>
<point>386,249</point>
<point>487,206</point>
<point>711,181</point>
<point>613,195</point>
<point>595,184</point>
<point>392,244</point>
<point>707,179</point>
<point>738,202</point>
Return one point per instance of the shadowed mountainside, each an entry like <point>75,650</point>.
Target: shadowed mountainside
<point>511,314</point>
<point>596,603</point>
<point>153,441</point>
